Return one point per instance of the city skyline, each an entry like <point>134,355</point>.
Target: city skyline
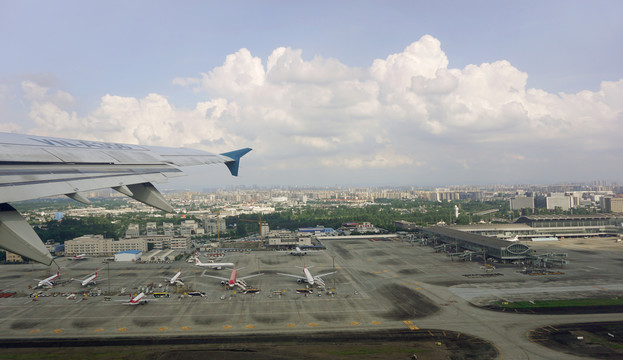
<point>355,93</point>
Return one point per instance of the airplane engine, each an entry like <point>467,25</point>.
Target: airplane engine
<point>300,281</point>
<point>223,282</point>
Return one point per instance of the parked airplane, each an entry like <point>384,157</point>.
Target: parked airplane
<point>37,166</point>
<point>308,278</point>
<point>139,299</point>
<point>176,278</point>
<point>49,281</point>
<point>217,266</point>
<point>298,252</point>
<point>234,280</point>
<point>516,238</point>
<point>78,257</point>
<point>90,279</point>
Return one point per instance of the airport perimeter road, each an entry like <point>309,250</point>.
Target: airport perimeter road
<point>379,285</point>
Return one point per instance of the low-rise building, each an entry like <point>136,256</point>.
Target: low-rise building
<point>288,238</point>
<point>151,229</point>
<point>97,245</point>
<point>613,205</point>
<point>13,258</point>
<point>168,229</point>
<point>188,227</point>
<point>132,231</point>
<point>128,255</point>
<point>212,225</point>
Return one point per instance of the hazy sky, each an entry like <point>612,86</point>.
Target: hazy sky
<point>329,92</point>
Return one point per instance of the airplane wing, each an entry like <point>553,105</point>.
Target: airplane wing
<point>325,274</point>
<point>34,167</point>
<point>294,276</point>
<point>249,276</point>
<point>216,277</point>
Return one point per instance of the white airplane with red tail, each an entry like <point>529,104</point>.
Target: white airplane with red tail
<point>89,280</point>
<point>213,265</point>
<point>79,257</point>
<point>234,280</point>
<point>176,278</point>
<point>49,281</point>
<point>139,299</point>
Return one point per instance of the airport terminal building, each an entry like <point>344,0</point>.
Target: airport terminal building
<point>465,244</point>
<point>551,226</point>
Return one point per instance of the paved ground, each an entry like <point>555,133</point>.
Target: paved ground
<point>379,286</point>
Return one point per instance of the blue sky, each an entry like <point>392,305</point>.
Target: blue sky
<point>329,93</point>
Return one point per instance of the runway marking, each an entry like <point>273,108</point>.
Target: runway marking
<point>185,328</point>
<point>34,331</point>
<point>291,325</point>
<point>227,327</point>
<point>354,323</point>
<point>249,326</point>
<point>312,324</point>
<point>122,329</point>
<point>376,322</point>
<point>418,288</point>
<point>413,327</point>
<point>58,331</point>
<point>98,330</point>
<point>163,328</point>
<point>415,283</point>
<point>408,322</point>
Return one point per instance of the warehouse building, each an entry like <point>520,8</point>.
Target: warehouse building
<point>128,255</point>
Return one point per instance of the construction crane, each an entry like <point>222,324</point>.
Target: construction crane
<point>260,224</point>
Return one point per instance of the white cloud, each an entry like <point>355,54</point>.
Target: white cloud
<point>407,110</point>
<point>384,158</point>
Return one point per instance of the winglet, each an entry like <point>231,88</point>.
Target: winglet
<point>235,155</point>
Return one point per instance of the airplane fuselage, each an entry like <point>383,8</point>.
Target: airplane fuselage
<point>49,280</point>
<point>90,279</point>
<point>138,299</point>
<point>217,266</point>
<point>308,276</point>
<point>232,278</point>
<point>175,278</point>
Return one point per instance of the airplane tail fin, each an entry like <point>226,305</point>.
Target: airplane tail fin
<point>235,162</point>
